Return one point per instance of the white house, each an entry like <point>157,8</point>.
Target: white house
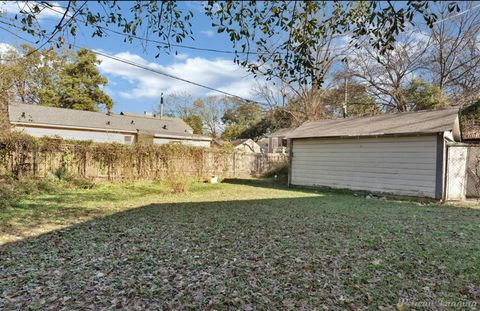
<point>278,142</point>
<point>121,128</point>
<point>246,146</point>
<point>400,153</point>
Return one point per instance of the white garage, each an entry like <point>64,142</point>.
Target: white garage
<point>402,153</point>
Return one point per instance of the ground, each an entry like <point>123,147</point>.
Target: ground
<point>236,245</point>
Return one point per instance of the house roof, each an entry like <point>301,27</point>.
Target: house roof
<point>59,117</point>
<point>237,142</point>
<point>281,132</point>
<point>420,122</point>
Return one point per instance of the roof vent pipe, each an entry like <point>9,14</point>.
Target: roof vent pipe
<point>161,106</point>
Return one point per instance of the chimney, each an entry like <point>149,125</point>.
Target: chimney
<point>161,106</point>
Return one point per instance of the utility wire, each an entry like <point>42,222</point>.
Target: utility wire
<point>457,15</point>
<point>128,62</point>
<point>183,46</point>
<point>54,33</point>
<point>144,67</point>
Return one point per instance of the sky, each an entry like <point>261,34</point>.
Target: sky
<point>136,90</point>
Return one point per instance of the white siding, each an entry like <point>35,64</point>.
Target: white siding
<point>249,146</point>
<point>101,137</point>
<point>399,165</point>
<point>196,143</point>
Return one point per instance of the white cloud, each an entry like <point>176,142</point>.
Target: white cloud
<point>208,33</point>
<point>181,56</point>
<point>14,7</point>
<point>218,73</point>
<point>5,47</point>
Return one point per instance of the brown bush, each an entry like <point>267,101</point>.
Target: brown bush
<point>180,164</point>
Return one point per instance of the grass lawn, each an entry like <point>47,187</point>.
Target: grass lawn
<point>246,245</point>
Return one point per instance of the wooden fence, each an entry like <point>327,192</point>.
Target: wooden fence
<point>121,162</point>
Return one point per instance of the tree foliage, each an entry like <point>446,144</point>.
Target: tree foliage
<point>286,35</point>
<point>210,110</point>
<point>358,102</point>
<point>181,105</point>
<point>204,115</point>
<point>195,122</point>
<point>421,95</point>
<point>454,54</point>
<point>80,84</point>
<point>163,19</point>
<point>45,77</point>
<point>249,120</point>
<point>393,65</point>
<point>239,118</point>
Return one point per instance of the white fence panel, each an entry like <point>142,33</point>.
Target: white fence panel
<point>456,181</point>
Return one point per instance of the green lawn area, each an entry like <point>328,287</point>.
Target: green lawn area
<point>241,245</point>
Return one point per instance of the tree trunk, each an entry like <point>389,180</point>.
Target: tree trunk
<point>4,119</point>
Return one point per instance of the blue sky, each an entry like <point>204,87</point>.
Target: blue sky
<point>136,90</point>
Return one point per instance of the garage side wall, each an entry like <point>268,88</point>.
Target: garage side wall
<point>397,165</point>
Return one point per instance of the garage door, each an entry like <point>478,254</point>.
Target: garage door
<point>399,165</point>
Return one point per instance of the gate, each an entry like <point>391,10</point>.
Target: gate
<point>463,172</point>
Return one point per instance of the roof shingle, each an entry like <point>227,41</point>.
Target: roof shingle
<point>50,116</point>
<point>420,122</point>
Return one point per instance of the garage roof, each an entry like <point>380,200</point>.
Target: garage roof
<point>420,122</point>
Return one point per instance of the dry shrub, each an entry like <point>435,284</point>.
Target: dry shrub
<point>179,161</point>
<point>178,183</point>
<point>278,169</point>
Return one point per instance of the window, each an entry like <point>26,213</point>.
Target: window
<point>127,139</point>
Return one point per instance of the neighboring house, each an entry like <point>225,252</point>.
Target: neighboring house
<point>246,146</point>
<point>471,132</point>
<point>263,143</point>
<point>121,128</point>
<point>278,142</point>
<point>470,123</point>
<point>401,153</point>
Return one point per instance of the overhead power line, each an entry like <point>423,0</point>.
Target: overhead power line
<point>147,68</point>
<point>457,15</point>
<point>57,29</point>
<point>128,62</point>
<point>183,46</point>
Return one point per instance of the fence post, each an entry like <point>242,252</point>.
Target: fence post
<point>234,164</point>
<point>290,156</point>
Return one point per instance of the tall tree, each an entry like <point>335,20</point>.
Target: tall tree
<point>181,105</point>
<point>347,97</point>
<point>48,78</point>
<point>240,118</point>
<point>31,73</point>
<point>286,33</point>
<point>387,75</point>
<point>210,110</point>
<point>284,40</point>
<point>421,95</point>
<point>80,85</point>
<point>7,94</point>
<point>454,56</point>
